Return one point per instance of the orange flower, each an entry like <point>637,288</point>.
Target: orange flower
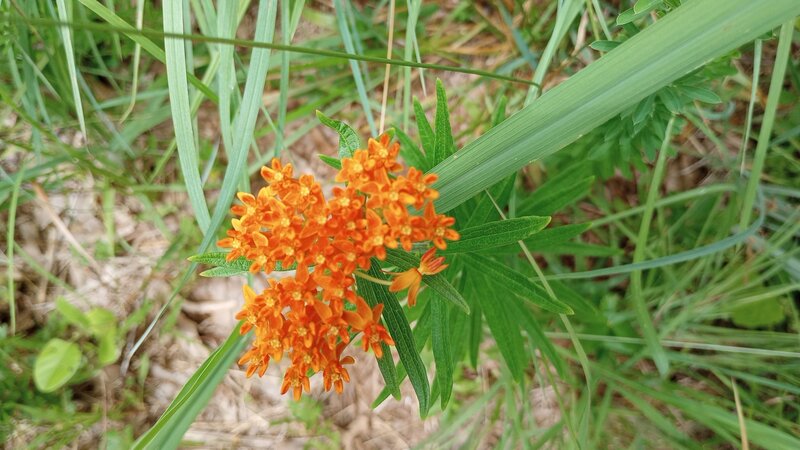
<point>411,278</point>
<point>334,374</point>
<point>366,320</point>
<point>305,316</point>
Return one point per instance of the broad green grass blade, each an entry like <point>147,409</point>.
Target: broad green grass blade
<point>637,296</point>
<point>775,89</point>
<point>66,36</point>
<point>680,42</point>
<point>245,124</point>
<point>175,52</point>
<point>347,39</point>
<point>172,425</point>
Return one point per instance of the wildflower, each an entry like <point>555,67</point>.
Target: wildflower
<point>309,317</point>
<point>411,278</point>
<point>365,320</point>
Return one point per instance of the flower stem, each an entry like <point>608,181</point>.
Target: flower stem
<point>365,276</point>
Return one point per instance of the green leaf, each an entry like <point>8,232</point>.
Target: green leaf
<point>675,45</point>
<point>348,138</point>
<point>645,6</point>
<point>103,326</point>
<point>438,282</point>
<point>72,314</point>
<point>513,281</point>
<point>385,363</point>
<point>224,268</point>
<point>102,322</point>
<point>483,211</point>
<point>442,352</point>
<point>443,145</point>
<point>56,364</point>
<point>421,333</point>
<point>400,331</point>
<point>331,161</point>
<point>699,93</point>
<point>604,46</point>
<point>501,322</point>
<point>496,234</point>
<point>763,313</point>
<point>425,131</point>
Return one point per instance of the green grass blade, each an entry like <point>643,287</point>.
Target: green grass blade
<point>637,297</point>
<point>226,78</point>
<point>347,39</point>
<point>193,397</point>
<point>680,42</point>
<point>775,89</point>
<point>66,36</point>
<point>175,53</point>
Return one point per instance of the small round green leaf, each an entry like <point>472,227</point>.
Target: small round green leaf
<point>56,364</point>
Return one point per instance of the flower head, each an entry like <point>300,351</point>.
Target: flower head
<point>309,317</point>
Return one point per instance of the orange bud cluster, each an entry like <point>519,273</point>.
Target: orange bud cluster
<point>290,222</point>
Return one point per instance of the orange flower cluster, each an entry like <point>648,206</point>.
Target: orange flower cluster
<point>290,222</point>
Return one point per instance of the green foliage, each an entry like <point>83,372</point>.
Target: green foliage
<point>58,361</point>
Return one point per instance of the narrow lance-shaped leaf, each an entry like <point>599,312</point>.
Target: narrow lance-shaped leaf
<point>443,143</point>
<point>683,40</point>
<point>400,331</point>
<point>496,234</point>
<point>442,352</point>
<point>225,268</point>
